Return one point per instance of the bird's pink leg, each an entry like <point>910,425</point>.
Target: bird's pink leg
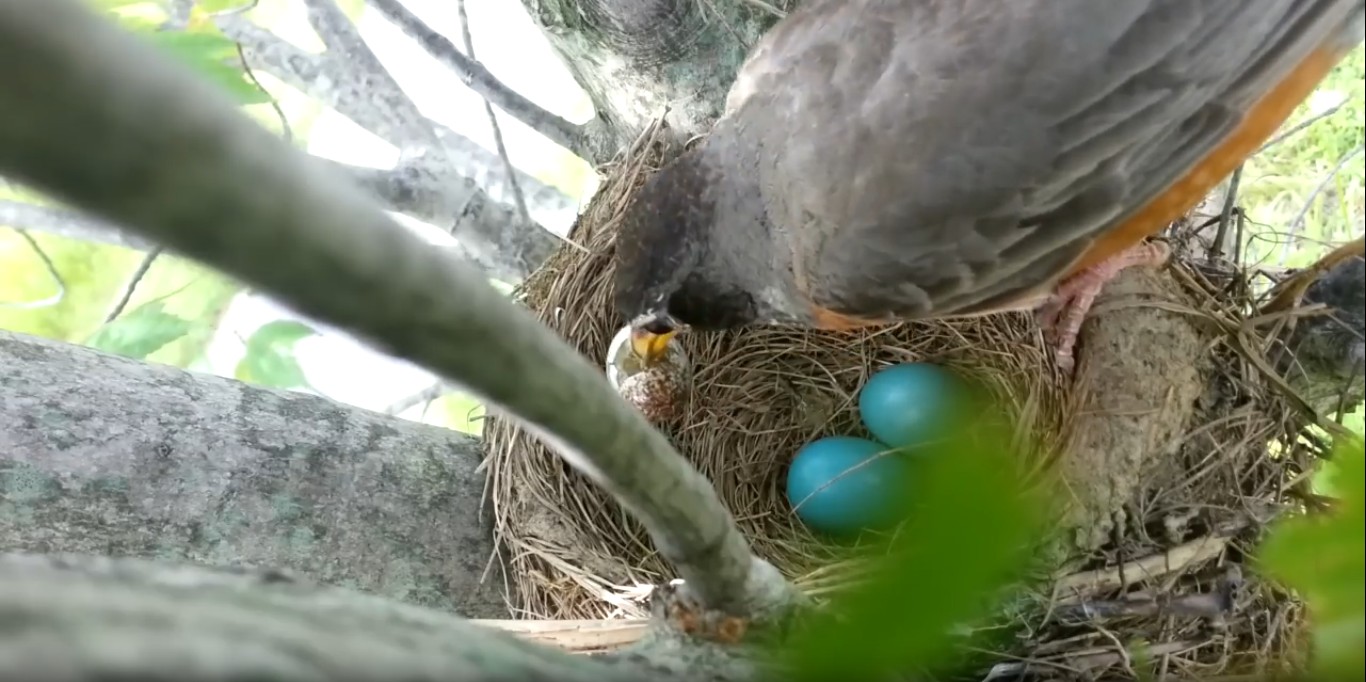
<point>1066,309</point>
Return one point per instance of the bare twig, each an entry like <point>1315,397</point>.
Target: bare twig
<point>1312,198</point>
<point>426,395</point>
<point>487,234</point>
<point>67,223</point>
<point>556,128</point>
<point>1288,293</point>
<point>132,285</point>
<point>1081,664</point>
<point>213,185</point>
<point>766,7</point>
<point>493,116</point>
<point>285,130</point>
<point>1147,568</point>
<point>1300,126</point>
<point>1214,605</point>
<point>52,272</point>
<point>1226,214</point>
<point>1203,605</point>
<point>580,636</point>
<point>341,85</point>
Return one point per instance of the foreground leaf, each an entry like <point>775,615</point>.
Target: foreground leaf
<point>269,360</point>
<point>967,537</point>
<point>212,55</point>
<point>1323,558</point>
<point>141,332</point>
<point>200,46</point>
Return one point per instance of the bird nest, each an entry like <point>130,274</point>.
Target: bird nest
<point>759,394</point>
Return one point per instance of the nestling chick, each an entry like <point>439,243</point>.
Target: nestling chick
<point>658,387</point>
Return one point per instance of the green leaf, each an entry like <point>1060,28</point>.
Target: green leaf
<point>111,5</point>
<point>141,332</point>
<point>270,360</point>
<point>968,534</point>
<point>138,16</point>
<point>216,6</point>
<point>1323,557</point>
<point>214,56</point>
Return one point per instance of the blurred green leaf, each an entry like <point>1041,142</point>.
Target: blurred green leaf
<point>141,332</point>
<point>967,538</point>
<point>1323,557</point>
<point>111,5</point>
<point>201,46</point>
<point>212,55</point>
<point>216,6</point>
<point>270,360</point>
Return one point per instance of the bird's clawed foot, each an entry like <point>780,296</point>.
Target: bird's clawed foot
<point>1066,309</point>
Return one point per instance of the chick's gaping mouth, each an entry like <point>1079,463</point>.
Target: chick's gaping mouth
<point>650,341</point>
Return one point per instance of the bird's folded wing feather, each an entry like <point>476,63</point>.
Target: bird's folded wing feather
<point>932,157</point>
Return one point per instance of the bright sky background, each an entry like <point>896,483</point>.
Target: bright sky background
<point>509,45</point>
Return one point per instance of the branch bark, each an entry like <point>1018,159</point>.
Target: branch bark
<point>100,454</point>
<point>491,236</point>
<point>108,124</point>
<point>89,619</point>
<point>67,223</point>
<point>637,59</point>
<point>343,86</point>
<point>573,137</point>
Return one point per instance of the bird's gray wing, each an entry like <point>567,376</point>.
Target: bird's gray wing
<point>932,157</point>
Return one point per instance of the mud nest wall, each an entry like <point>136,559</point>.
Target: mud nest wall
<point>1163,437</point>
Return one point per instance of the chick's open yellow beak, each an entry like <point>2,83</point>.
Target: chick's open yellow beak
<point>650,347</point>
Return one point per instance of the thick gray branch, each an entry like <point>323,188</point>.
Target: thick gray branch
<point>107,123</point>
<point>90,619</point>
<point>489,235</point>
<point>344,42</point>
<point>635,59</point>
<point>101,454</point>
<point>66,223</point>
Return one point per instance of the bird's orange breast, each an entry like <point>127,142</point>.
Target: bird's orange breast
<point>1260,123</point>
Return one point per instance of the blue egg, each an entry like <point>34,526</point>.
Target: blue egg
<point>861,498</point>
<point>909,404</point>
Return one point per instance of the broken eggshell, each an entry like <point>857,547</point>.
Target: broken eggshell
<point>658,391</point>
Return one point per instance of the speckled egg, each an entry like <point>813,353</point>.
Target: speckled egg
<point>657,393</point>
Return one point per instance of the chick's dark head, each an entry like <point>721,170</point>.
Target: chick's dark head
<point>668,275</point>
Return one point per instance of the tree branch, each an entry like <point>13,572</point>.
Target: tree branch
<point>492,236</point>
<point>386,97</point>
<point>100,454</point>
<point>67,223</point>
<point>638,59</point>
<point>569,135</point>
<point>342,86</point>
<point>91,619</point>
<point>107,123</point>
<point>494,128</point>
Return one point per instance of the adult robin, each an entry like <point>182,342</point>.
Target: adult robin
<point>889,160</point>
